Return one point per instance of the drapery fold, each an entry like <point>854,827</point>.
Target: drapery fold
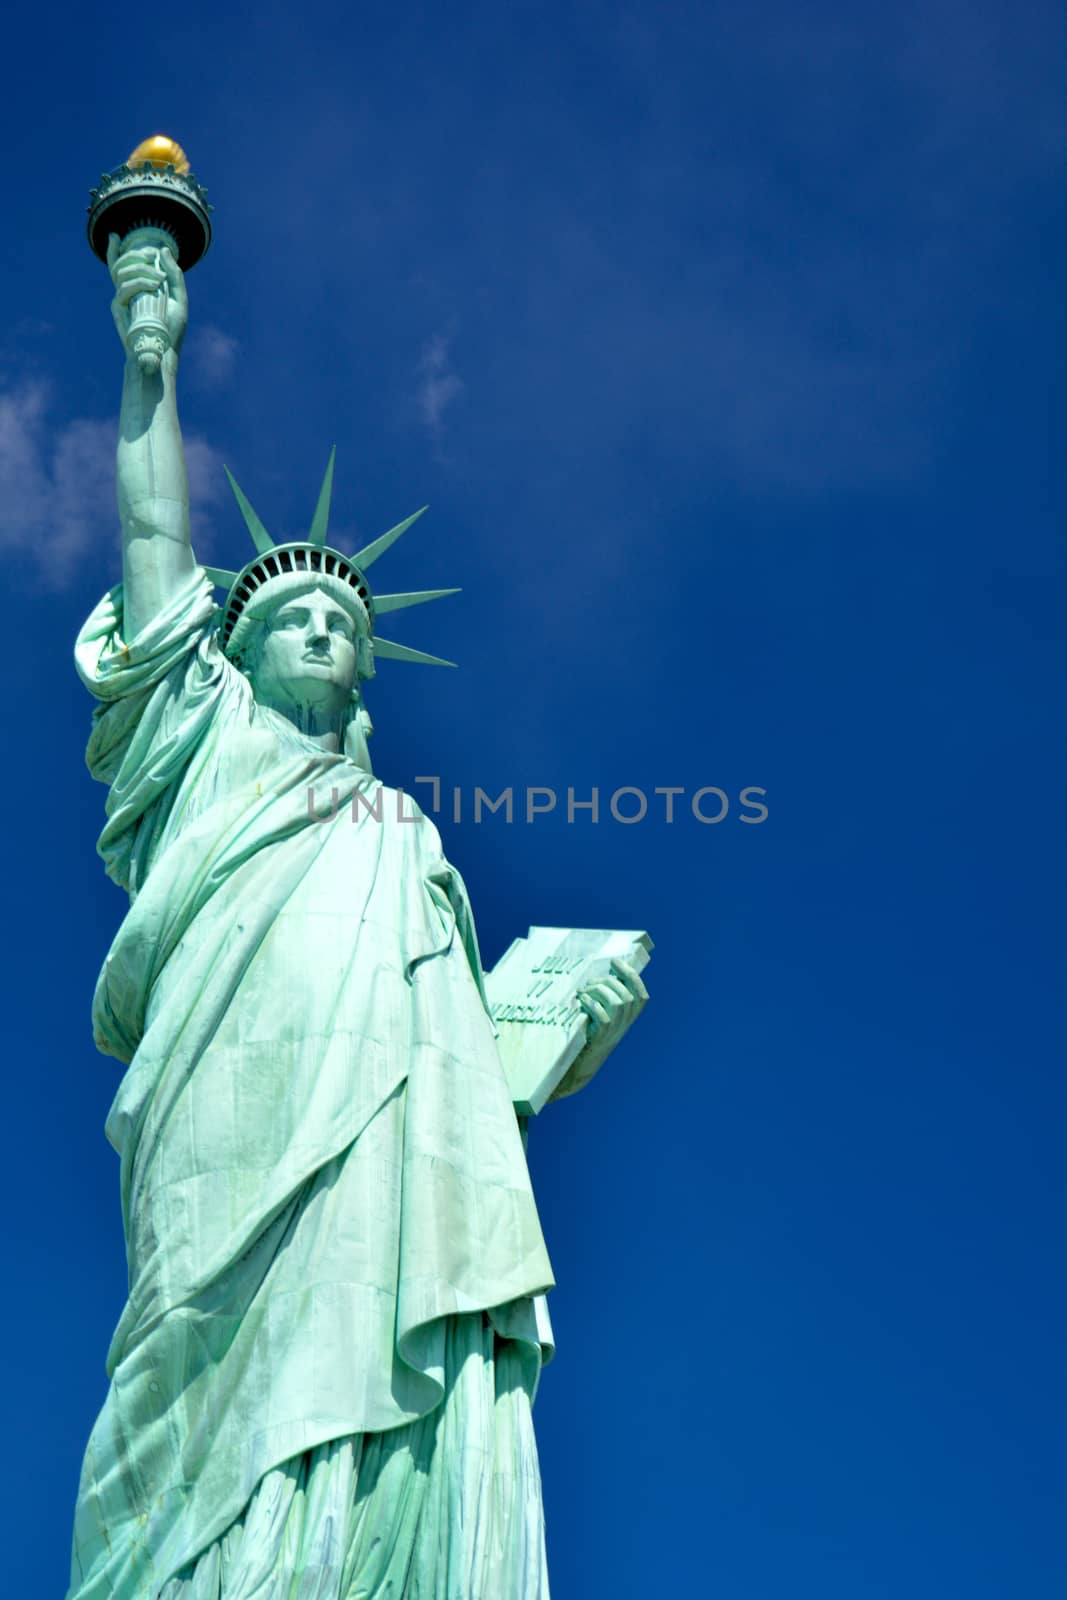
<point>447,1506</point>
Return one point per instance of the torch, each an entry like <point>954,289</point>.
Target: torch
<point>151,201</point>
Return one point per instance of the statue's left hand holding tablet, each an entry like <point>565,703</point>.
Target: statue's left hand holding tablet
<point>612,1005</point>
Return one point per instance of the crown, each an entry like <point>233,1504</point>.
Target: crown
<point>296,567</point>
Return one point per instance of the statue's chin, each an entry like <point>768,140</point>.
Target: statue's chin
<point>314,688</point>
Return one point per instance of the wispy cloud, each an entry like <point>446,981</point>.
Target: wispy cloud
<point>210,356</point>
<point>207,489</point>
<point>438,384</point>
<point>57,482</point>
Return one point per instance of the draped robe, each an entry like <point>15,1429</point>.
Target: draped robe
<point>332,1239</point>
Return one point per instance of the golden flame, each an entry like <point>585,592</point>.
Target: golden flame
<point>159,151</point>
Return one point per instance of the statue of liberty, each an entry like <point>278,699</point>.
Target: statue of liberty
<point>321,1383</point>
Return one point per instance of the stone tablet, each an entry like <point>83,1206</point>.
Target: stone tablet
<point>533,1000</point>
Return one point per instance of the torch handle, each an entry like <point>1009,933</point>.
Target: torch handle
<point>149,337</point>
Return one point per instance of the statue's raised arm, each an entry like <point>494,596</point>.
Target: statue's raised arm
<point>153,491</point>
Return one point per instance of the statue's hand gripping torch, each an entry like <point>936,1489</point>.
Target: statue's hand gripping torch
<point>150,302</point>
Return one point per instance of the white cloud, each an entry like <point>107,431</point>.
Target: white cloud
<point>210,356</point>
<point>207,489</point>
<point>57,483</point>
<point>438,384</point>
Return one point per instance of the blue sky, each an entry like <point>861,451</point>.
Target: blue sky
<point>726,345</point>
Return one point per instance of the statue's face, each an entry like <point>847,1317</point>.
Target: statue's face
<point>308,655</point>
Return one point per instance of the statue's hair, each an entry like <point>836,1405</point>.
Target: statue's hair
<point>246,659</point>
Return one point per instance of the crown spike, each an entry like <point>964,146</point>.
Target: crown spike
<point>260,537</point>
<point>417,597</point>
<point>402,652</point>
<point>370,552</point>
<point>319,521</point>
<point>219,576</point>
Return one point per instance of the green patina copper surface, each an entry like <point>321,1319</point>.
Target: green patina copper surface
<point>321,1384</point>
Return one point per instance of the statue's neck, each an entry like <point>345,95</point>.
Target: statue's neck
<point>322,728</point>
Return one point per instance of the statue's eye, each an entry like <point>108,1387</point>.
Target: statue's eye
<point>341,625</point>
